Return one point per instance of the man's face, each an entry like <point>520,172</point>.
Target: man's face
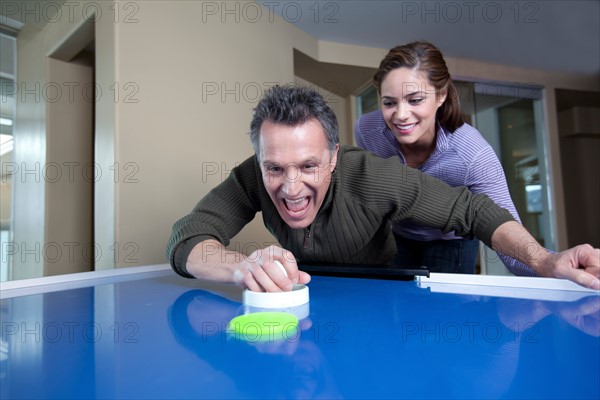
<point>296,167</point>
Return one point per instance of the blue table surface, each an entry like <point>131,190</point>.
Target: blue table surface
<point>164,336</point>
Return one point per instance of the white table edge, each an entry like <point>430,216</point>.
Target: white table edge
<point>526,282</point>
<point>23,287</point>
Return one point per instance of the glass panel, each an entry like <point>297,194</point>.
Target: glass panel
<point>510,118</point>
<point>367,101</point>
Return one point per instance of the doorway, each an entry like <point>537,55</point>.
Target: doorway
<point>511,119</point>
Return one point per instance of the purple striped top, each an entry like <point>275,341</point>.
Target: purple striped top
<point>461,158</point>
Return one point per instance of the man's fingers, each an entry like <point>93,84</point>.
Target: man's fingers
<point>303,277</point>
<point>583,278</point>
<point>290,265</point>
<point>271,277</point>
<point>272,269</point>
<point>593,271</point>
<point>589,258</point>
<point>251,283</point>
<point>276,275</point>
<point>588,273</point>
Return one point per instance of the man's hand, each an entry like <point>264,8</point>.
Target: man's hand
<point>580,264</point>
<point>259,272</point>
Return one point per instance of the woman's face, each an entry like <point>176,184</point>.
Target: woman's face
<point>409,104</point>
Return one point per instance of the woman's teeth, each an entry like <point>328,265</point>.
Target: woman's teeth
<point>405,127</point>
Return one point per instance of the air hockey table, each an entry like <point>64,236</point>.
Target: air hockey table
<point>146,333</point>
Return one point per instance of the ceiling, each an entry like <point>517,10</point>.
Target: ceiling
<point>550,35</point>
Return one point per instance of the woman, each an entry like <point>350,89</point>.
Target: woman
<point>420,120</point>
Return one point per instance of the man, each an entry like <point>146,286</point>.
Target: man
<point>326,203</point>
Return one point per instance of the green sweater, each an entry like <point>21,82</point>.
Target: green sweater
<point>353,225</point>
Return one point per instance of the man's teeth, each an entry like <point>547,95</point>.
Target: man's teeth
<point>295,201</point>
<point>296,205</point>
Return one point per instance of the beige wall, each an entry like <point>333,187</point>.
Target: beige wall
<point>186,85</point>
<point>70,175</point>
<point>198,82</point>
<point>338,104</point>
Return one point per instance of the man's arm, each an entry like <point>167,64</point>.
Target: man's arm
<point>486,176</point>
<point>219,215</point>
<point>425,200</point>
<point>580,264</point>
<point>258,272</point>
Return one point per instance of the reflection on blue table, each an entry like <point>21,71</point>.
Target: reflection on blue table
<point>291,368</point>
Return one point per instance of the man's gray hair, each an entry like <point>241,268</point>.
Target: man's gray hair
<point>293,105</point>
